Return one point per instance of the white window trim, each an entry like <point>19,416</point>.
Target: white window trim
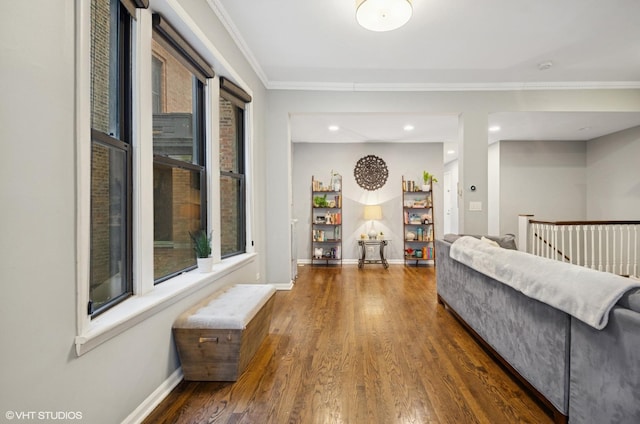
<point>140,307</point>
<point>148,299</point>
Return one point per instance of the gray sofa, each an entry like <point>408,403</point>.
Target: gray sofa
<point>605,367</point>
<point>581,374</point>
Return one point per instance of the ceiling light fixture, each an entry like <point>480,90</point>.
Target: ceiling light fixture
<point>333,128</point>
<point>408,127</point>
<point>383,15</point>
<point>494,128</point>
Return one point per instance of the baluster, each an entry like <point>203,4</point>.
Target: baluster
<point>555,242</point>
<point>621,251</point>
<point>585,231</point>
<point>585,235</point>
<point>539,241</point>
<point>599,247</point>
<point>608,258</point>
<point>571,243</point>
<point>628,250</point>
<point>615,255</point>
<point>564,251</point>
<point>635,251</point>
<point>593,247</point>
<point>578,244</point>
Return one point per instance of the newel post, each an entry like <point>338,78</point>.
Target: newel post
<point>523,231</point>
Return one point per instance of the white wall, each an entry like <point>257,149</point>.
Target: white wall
<point>38,364</point>
<point>451,198</point>
<point>543,178</point>
<point>408,160</point>
<point>494,188</point>
<point>474,108</point>
<point>39,368</point>
<point>613,176</point>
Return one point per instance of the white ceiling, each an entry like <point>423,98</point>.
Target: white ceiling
<point>447,44</point>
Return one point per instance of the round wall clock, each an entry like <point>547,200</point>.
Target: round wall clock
<point>371,172</point>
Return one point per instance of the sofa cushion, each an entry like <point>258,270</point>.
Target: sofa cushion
<point>631,300</point>
<point>507,241</point>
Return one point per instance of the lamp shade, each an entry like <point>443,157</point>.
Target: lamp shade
<point>383,15</point>
<point>372,212</point>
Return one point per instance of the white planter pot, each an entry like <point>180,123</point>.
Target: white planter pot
<point>205,264</point>
<point>426,187</point>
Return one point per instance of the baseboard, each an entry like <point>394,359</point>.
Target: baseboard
<point>283,286</point>
<point>303,262</point>
<point>154,399</point>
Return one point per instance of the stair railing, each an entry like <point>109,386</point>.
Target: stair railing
<point>609,246</point>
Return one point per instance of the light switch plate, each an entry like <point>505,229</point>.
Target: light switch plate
<point>475,206</point>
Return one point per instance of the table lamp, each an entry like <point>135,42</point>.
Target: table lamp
<point>372,213</point>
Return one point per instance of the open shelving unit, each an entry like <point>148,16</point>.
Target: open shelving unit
<point>326,221</point>
<point>418,224</point>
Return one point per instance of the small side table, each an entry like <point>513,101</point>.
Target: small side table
<point>363,243</point>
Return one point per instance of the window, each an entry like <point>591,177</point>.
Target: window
<point>232,168</point>
<point>111,154</point>
<point>179,171</point>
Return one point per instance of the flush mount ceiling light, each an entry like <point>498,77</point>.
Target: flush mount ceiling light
<point>383,15</point>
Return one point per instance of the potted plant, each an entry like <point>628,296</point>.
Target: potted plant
<point>320,201</point>
<point>428,179</point>
<point>202,247</point>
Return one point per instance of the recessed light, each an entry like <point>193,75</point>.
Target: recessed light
<point>450,152</point>
<point>409,127</point>
<point>494,128</point>
<point>333,128</point>
<point>584,129</point>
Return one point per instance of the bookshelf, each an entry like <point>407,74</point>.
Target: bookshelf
<point>418,224</point>
<point>326,221</point>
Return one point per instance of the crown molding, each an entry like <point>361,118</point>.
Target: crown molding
<point>507,86</point>
<point>233,31</point>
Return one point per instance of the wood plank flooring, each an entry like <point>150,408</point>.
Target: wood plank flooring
<point>360,346</point>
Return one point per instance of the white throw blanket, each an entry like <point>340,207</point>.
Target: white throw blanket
<point>581,292</point>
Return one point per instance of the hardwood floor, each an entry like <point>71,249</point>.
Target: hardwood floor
<point>360,346</point>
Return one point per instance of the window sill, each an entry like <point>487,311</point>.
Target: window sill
<point>138,308</point>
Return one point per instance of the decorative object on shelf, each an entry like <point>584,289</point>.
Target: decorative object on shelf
<point>427,179</point>
<point>202,247</point>
<point>371,172</point>
<point>372,213</point>
<point>320,201</point>
<point>336,181</point>
<point>383,15</point>
<point>410,236</point>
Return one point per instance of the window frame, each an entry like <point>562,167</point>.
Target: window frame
<point>148,300</point>
<point>239,99</point>
<point>120,139</point>
<point>164,34</point>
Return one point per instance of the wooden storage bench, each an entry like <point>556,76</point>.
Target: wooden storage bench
<point>217,338</point>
